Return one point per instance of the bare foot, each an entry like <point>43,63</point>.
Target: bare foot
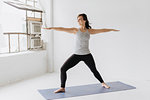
<point>60,90</point>
<point>105,85</point>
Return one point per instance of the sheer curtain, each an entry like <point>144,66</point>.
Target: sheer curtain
<point>3,39</point>
<point>13,20</point>
<point>44,5</point>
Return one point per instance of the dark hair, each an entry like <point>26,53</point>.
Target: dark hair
<point>86,19</point>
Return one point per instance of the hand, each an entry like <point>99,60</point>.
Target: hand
<point>46,28</point>
<point>115,30</point>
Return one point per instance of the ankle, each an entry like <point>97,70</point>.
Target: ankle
<point>103,83</point>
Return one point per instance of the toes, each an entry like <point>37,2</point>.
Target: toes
<point>105,86</point>
<point>57,91</point>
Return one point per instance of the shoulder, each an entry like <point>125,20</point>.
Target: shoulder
<point>75,30</point>
<point>90,31</point>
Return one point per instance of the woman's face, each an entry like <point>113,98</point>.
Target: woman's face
<point>81,21</point>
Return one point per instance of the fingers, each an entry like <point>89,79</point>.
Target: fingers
<point>116,30</point>
<point>46,28</point>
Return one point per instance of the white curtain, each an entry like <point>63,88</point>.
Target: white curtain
<point>0,10</point>
<point>45,6</point>
<point>3,40</point>
<point>11,20</point>
<point>47,36</point>
<point>8,23</point>
<point>41,5</point>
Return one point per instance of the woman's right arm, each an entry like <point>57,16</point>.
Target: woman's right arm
<point>69,30</point>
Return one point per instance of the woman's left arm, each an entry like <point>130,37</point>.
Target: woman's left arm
<point>95,31</point>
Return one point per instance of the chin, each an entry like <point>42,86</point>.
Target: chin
<point>80,24</point>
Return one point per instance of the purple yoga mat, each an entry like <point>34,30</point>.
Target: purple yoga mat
<point>83,90</point>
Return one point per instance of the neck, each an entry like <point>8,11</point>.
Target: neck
<point>83,27</point>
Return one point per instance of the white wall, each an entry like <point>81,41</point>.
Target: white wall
<point>123,54</point>
<point>19,66</point>
<point>47,36</point>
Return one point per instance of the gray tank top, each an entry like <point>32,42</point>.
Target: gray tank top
<point>82,42</point>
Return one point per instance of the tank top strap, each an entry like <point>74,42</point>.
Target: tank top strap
<point>79,30</point>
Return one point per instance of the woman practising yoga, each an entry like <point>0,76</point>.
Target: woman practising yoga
<point>82,52</point>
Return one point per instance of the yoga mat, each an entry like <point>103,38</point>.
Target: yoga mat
<point>83,90</point>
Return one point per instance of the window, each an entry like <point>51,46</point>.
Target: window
<point>13,20</point>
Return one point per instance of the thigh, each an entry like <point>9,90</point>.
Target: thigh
<point>89,61</point>
<point>70,62</point>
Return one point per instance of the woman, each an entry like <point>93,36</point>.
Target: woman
<point>82,52</point>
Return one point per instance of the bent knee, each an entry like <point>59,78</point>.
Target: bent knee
<point>62,69</point>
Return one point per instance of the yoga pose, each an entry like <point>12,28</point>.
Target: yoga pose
<point>82,52</point>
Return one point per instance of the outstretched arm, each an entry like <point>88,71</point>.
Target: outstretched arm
<point>69,30</point>
<point>95,31</point>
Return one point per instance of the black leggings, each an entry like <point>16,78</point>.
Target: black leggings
<point>73,60</point>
